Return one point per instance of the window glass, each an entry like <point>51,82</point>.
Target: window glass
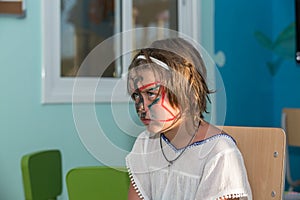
<point>154,13</point>
<point>84,25</point>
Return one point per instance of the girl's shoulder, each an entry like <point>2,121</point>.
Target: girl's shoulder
<point>211,133</point>
<point>215,144</point>
<point>217,138</point>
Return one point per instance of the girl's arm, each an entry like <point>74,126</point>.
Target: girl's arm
<point>132,194</point>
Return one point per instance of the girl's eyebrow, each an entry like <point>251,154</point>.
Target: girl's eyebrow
<point>147,85</point>
<point>146,90</point>
<point>153,88</point>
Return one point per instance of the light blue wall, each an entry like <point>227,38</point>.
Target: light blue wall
<point>25,124</point>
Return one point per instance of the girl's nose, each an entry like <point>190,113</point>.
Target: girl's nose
<point>142,107</point>
<point>146,104</point>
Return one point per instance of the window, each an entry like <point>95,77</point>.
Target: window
<point>71,29</point>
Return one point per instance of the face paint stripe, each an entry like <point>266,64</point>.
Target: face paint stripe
<point>154,102</point>
<point>145,86</point>
<point>154,88</point>
<point>167,120</point>
<point>162,103</point>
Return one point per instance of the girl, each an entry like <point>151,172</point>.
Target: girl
<point>180,156</point>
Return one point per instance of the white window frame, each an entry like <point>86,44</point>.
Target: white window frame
<point>60,90</point>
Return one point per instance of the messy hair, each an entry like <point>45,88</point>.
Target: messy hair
<point>184,81</point>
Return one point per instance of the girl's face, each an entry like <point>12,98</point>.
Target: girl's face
<point>151,102</point>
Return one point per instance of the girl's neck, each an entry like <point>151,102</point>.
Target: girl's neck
<point>181,134</point>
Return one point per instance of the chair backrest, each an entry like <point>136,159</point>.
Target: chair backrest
<point>263,150</point>
<point>42,175</point>
<point>291,124</point>
<point>98,182</point>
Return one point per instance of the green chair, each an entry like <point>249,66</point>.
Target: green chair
<point>96,183</point>
<point>42,175</point>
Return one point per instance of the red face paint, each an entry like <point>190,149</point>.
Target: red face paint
<point>154,98</point>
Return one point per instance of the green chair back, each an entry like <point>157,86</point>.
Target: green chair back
<point>42,175</point>
<point>96,183</point>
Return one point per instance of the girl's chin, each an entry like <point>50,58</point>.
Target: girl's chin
<point>156,126</point>
<point>154,129</point>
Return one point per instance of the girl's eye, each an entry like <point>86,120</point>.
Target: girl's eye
<point>151,95</point>
<point>135,97</point>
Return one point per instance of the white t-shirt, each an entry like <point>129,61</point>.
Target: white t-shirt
<point>207,170</point>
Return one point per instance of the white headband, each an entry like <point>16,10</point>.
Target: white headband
<point>160,63</point>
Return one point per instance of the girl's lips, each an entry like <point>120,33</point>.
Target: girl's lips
<point>146,121</point>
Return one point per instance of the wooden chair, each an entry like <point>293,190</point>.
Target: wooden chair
<point>99,182</point>
<point>291,124</point>
<point>263,150</point>
<point>42,175</point>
